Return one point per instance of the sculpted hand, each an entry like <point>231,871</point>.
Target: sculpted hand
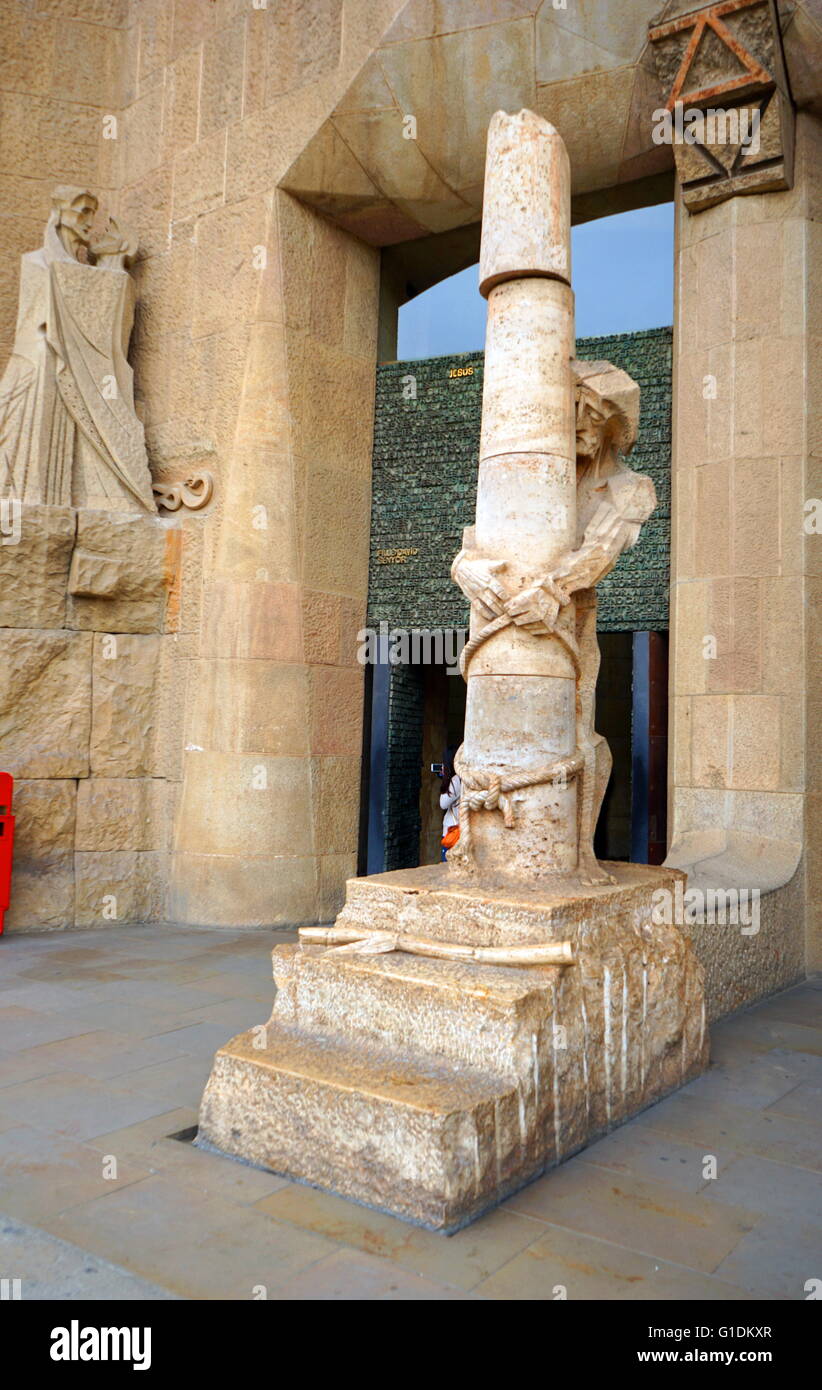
<point>477,579</point>
<point>537,607</point>
<point>117,244</point>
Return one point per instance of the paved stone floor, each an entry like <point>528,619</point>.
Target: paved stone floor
<point>106,1040</point>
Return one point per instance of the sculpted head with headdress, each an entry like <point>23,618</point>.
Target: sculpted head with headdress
<point>70,221</point>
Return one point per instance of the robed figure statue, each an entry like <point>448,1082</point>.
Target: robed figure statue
<point>69,435</point>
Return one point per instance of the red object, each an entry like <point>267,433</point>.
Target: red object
<point>6,841</point>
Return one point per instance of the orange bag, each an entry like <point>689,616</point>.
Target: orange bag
<point>451,836</point>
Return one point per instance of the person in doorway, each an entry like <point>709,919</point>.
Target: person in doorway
<point>450,792</point>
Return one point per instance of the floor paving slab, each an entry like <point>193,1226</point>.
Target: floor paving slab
<point>104,1054</point>
<point>463,1259</point>
<point>733,1128</point>
<point>567,1265</point>
<point>763,1035</point>
<point>774,1189</point>
<point>804,1102</point>
<point>642,1153</point>
<point>652,1218</point>
<point>196,1244</point>
<point>75,1106</point>
<point>350,1276</point>
<point>42,1173</point>
<point>779,1258</point>
<point>21,1027</point>
<point>137,1141</point>
<point>180,1081</point>
<point>752,1084</point>
<point>106,1039</point>
<point>54,1270</point>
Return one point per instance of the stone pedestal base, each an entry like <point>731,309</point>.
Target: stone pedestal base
<point>433,1089</point>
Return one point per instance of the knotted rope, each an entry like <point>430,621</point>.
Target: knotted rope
<point>505,620</point>
<point>490,791</point>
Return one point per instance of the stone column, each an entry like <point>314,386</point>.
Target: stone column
<point>745,661</point>
<point>520,711</point>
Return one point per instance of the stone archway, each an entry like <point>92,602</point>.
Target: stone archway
<point>367,178</point>
<point>262,154</point>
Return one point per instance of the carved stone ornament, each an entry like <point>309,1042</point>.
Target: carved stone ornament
<point>194,492</point>
<point>731,116</point>
<point>69,434</point>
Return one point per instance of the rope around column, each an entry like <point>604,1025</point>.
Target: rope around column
<point>486,791</point>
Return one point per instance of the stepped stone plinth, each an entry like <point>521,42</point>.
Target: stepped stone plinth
<point>434,1088</point>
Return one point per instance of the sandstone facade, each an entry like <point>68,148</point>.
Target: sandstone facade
<point>262,154</point>
<point>82,715</point>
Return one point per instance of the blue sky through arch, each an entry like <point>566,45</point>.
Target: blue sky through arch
<point>623,269</point>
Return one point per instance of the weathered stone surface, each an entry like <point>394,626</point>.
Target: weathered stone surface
<point>93,576</point>
<point>176,660</point>
<point>539,180</point>
<point>42,895</point>
<point>245,804</point>
<point>698,67</point>
<point>248,707</point>
<point>119,886</point>
<point>122,570</point>
<point>740,752</point>
<point>433,1089</point>
<point>35,551</point>
<point>123,709</point>
<point>496,912</point>
<point>45,702</point>
<point>44,812</point>
<point>230,890</point>
<point>124,813</point>
<point>556,509</point>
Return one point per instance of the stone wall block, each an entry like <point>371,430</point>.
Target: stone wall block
<point>335,871</point>
<point>42,894</point>
<point>35,553</point>
<point>337,792</point>
<point>756,738</point>
<point>232,891</point>
<point>45,702</point>
<point>121,572</point>
<point>245,805</point>
<point>336,709</point>
<point>120,886</point>
<point>123,704</point>
<point>124,813</point>
<point>176,658</point>
<point>710,741</point>
<point>248,707</point>
<point>252,620</point>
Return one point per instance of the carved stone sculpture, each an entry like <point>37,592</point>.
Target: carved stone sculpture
<point>193,493</point>
<point>611,504</point>
<point>722,69</point>
<point>69,434</point>
<point>463,1026</point>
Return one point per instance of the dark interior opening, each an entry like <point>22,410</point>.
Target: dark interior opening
<point>417,712</point>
